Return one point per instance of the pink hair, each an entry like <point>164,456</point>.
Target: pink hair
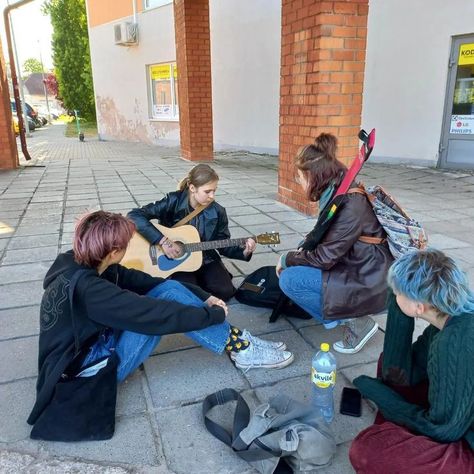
<point>97,234</point>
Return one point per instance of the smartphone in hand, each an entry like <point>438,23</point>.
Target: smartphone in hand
<point>350,402</point>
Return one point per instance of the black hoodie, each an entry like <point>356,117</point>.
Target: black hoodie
<point>114,300</point>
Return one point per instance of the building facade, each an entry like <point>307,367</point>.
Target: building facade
<point>136,85</point>
<point>419,81</point>
<point>267,76</point>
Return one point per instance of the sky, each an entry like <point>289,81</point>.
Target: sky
<point>32,32</point>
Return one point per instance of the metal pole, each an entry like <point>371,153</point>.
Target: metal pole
<point>20,80</point>
<point>16,93</point>
<point>44,83</point>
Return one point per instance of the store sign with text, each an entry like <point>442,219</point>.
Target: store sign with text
<point>162,72</point>
<point>466,54</point>
<point>462,124</point>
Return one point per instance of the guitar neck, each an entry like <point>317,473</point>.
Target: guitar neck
<point>214,244</point>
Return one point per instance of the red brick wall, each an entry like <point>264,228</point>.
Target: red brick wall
<point>193,58</point>
<point>8,151</point>
<point>322,73</point>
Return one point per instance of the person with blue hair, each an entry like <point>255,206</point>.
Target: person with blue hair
<point>425,390</point>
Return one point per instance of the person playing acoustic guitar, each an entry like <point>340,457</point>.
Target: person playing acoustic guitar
<point>198,188</point>
<point>98,306</point>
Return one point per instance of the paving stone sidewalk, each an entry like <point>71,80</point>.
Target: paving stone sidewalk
<point>159,425</point>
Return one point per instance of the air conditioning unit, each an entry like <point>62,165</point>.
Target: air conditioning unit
<point>126,33</point>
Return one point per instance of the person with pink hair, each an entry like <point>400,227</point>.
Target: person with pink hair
<point>89,296</point>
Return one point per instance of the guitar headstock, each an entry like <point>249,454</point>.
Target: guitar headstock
<point>269,238</point>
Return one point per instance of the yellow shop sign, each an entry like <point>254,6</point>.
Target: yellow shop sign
<point>160,72</point>
<point>466,54</point>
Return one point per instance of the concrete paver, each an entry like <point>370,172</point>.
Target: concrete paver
<point>19,358</point>
<point>186,376</point>
<point>188,448</point>
<point>19,322</point>
<point>159,424</point>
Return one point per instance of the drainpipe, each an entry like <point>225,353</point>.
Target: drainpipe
<point>134,6</point>
<point>16,92</point>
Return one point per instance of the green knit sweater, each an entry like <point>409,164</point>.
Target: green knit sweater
<point>445,358</point>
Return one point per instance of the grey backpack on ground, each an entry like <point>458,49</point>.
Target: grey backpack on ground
<point>282,428</point>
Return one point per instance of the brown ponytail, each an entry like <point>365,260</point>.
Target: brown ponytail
<point>198,176</point>
<point>320,165</point>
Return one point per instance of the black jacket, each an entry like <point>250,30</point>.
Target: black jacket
<point>212,223</point>
<point>354,272</point>
<point>112,300</point>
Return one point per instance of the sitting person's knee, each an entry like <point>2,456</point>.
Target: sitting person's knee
<point>359,455</point>
<point>166,286</point>
<point>285,280</point>
<point>366,450</point>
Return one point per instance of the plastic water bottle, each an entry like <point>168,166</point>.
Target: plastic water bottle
<point>323,378</point>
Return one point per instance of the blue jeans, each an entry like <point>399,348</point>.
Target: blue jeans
<point>134,348</point>
<point>304,285</point>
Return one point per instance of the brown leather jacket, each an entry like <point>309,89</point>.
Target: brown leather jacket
<point>354,272</point>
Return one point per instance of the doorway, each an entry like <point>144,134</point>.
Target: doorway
<point>457,137</point>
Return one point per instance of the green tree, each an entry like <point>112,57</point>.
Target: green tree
<point>71,55</point>
<point>32,65</point>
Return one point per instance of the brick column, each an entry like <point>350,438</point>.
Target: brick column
<point>193,58</point>
<point>8,150</point>
<point>322,73</point>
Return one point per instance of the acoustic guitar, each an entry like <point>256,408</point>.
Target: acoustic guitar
<point>141,255</point>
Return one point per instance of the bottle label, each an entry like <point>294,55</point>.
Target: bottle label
<point>323,379</point>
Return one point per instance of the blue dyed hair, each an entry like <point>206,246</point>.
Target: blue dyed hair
<point>430,276</point>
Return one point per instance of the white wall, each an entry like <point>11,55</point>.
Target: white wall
<point>409,42</point>
<point>120,79</point>
<point>245,55</point>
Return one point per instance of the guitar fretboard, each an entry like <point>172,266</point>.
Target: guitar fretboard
<point>214,244</point>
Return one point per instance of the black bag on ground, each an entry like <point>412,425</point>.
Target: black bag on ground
<point>261,289</point>
<point>82,408</point>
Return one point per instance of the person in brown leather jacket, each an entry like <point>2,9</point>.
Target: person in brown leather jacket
<point>343,279</point>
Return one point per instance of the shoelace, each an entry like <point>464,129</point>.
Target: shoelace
<point>349,337</point>
<point>257,342</point>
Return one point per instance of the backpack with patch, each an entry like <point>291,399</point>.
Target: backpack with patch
<point>403,232</point>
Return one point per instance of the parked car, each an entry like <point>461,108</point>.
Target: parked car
<point>16,126</point>
<point>30,111</point>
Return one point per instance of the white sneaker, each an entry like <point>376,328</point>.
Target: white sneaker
<point>256,341</point>
<point>357,333</point>
<point>255,357</point>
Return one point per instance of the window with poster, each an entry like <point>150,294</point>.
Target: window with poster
<point>163,91</point>
<point>462,115</point>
